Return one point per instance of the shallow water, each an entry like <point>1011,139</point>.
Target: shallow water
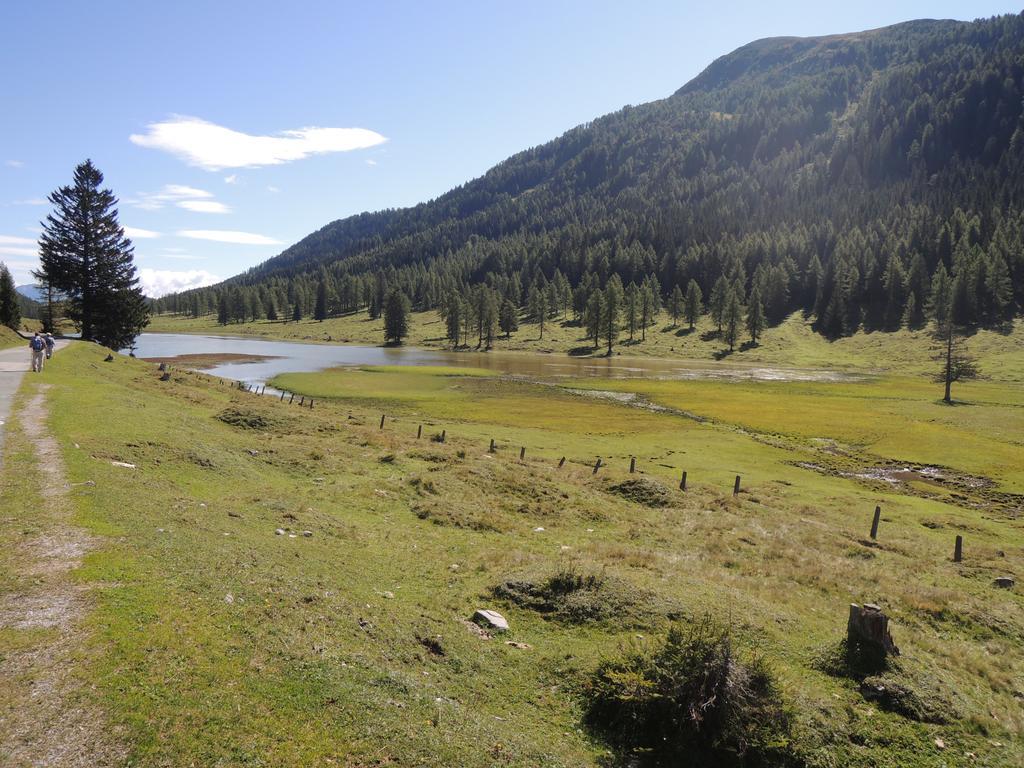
<point>290,356</point>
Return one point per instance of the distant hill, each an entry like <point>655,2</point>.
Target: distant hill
<point>31,292</point>
<point>834,175</point>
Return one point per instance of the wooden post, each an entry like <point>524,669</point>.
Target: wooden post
<point>682,482</point>
<point>522,453</point>
<point>382,421</point>
<point>958,549</point>
<point>632,464</point>
<point>874,522</point>
<point>736,486</point>
<point>311,403</point>
<point>444,434</point>
<point>419,431</point>
<point>282,397</point>
<point>291,399</point>
<point>597,466</point>
<point>561,462</point>
<point>491,449</point>
<point>302,401</point>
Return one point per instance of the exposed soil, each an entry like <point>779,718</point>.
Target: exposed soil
<point>52,717</point>
<point>210,359</point>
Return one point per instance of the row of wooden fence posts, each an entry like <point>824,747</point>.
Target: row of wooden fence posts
<point>958,544</point>
<point>492,448</point>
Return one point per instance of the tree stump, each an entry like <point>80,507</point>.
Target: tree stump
<point>869,626</point>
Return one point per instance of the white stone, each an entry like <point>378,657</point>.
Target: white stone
<point>490,619</point>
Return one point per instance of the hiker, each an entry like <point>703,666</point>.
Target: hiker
<point>48,340</point>
<point>38,347</point>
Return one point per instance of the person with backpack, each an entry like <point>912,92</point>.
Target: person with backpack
<point>48,340</point>
<point>38,347</point>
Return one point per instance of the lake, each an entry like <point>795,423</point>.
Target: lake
<point>291,356</point>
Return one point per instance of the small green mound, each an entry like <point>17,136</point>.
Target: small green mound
<point>577,598</point>
<point>903,697</point>
<point>691,701</point>
<point>643,490</point>
<point>247,418</point>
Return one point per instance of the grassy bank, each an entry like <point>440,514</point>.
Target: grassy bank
<point>217,641</point>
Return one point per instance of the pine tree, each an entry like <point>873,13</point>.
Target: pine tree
<point>675,305</point>
<point>84,254</point>
<point>755,315</point>
<point>594,315</point>
<point>452,311</point>
<point>692,303</point>
<point>396,316</point>
<point>320,311</point>
<point>732,317</point>
<point>956,364</point>
<point>631,308</point>
<point>718,300</point>
<point>613,301</point>
<point>10,309</point>
<point>223,310</point>
<point>297,311</point>
<point>650,304</point>
<point>508,319</point>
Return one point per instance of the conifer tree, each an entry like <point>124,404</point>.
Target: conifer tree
<point>692,303</point>
<point>396,316</point>
<point>732,317</point>
<point>297,311</point>
<point>84,254</point>
<point>755,315</point>
<point>508,319</point>
<point>631,308</point>
<point>10,309</point>
<point>718,300</point>
<point>676,303</point>
<point>594,315</point>
<point>320,311</point>
<point>223,310</point>
<point>613,301</point>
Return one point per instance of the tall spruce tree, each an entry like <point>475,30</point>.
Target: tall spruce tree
<point>10,309</point>
<point>84,254</point>
<point>693,302</point>
<point>396,316</point>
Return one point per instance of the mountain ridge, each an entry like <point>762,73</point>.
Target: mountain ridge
<point>823,139</point>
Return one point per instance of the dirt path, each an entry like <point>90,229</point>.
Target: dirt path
<point>53,718</point>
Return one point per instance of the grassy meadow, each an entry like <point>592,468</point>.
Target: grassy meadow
<point>216,641</point>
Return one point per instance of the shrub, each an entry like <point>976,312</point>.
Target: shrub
<point>691,702</point>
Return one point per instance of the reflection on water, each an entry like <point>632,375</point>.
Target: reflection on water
<point>289,356</point>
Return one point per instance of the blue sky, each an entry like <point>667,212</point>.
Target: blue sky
<point>200,113</point>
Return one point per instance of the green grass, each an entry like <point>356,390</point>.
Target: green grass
<point>9,338</point>
<point>318,655</point>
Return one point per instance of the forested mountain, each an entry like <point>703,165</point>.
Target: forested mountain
<point>838,175</point>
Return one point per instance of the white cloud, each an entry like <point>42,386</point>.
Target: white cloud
<point>272,188</point>
<point>169,193</point>
<point>181,256</point>
<point>232,179</point>
<point>136,233</point>
<point>157,282</point>
<point>204,206</point>
<point>32,201</point>
<point>228,236</point>
<point>371,162</point>
<point>11,245</point>
<point>214,147</point>
<point>14,164</point>
<point>18,251</point>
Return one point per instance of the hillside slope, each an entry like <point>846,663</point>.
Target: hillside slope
<point>834,174</point>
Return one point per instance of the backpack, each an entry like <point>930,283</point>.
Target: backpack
<point>37,343</point>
